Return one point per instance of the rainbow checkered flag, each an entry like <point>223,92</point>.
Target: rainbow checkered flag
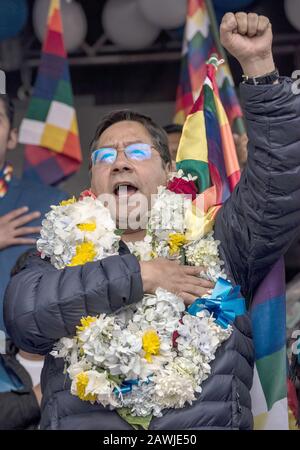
<point>201,40</point>
<point>207,150</point>
<point>49,130</point>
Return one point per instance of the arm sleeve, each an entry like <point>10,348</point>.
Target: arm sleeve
<point>43,304</point>
<point>19,410</point>
<point>259,221</point>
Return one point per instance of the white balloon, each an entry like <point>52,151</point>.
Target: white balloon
<point>74,22</point>
<point>166,14</point>
<point>125,26</point>
<point>292,11</point>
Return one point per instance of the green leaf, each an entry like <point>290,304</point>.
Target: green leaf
<point>115,378</point>
<point>135,421</point>
<point>119,232</point>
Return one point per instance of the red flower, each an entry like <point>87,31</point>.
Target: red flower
<point>175,335</point>
<point>87,193</point>
<point>181,186</point>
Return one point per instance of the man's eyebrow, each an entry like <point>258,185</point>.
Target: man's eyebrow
<point>125,144</point>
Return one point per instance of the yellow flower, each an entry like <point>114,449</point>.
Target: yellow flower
<point>85,323</point>
<point>70,201</point>
<point>85,253</point>
<point>87,226</point>
<point>151,344</point>
<point>176,240</point>
<point>153,254</point>
<point>82,380</point>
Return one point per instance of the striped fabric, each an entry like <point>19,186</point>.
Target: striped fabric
<point>200,41</point>
<point>50,130</point>
<point>207,150</point>
<point>268,313</point>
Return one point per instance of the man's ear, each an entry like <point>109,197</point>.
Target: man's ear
<point>12,139</point>
<point>168,167</point>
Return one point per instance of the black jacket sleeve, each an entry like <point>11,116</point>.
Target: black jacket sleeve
<point>43,304</point>
<point>19,410</point>
<point>260,220</point>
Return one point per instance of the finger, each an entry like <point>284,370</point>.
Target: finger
<point>14,214</point>
<point>229,23</point>
<point>26,230</point>
<point>23,241</point>
<point>193,270</point>
<point>200,282</point>
<point>242,22</point>
<point>196,291</point>
<point>26,219</point>
<point>263,24</point>
<point>252,24</point>
<point>187,298</point>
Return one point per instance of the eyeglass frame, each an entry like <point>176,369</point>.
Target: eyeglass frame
<point>124,147</point>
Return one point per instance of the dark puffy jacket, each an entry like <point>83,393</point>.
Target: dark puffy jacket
<point>19,407</point>
<point>255,227</point>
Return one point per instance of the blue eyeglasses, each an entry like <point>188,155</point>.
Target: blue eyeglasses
<point>136,152</point>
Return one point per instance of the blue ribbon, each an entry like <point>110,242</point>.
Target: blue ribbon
<point>126,386</point>
<point>225,303</point>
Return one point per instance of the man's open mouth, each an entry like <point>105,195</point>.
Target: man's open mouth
<point>125,189</point>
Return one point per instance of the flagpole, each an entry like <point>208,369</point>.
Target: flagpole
<point>239,125</point>
<point>215,29</point>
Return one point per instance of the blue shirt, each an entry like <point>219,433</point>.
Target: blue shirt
<point>37,197</point>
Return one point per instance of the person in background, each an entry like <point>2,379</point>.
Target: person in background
<point>174,134</point>
<point>20,376</point>
<point>23,203</point>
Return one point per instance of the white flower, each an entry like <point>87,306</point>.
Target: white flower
<point>141,249</point>
<point>205,252</point>
<point>101,386</point>
<point>61,234</point>
<point>161,312</point>
<point>180,174</point>
<point>78,367</point>
<point>172,390</point>
<point>63,348</point>
<point>156,342</point>
<point>141,401</point>
<point>168,213</point>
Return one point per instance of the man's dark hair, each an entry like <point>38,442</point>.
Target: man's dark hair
<point>173,128</point>
<point>9,108</point>
<point>158,135</point>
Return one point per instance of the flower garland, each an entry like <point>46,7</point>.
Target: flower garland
<point>153,355</point>
<point>75,233</point>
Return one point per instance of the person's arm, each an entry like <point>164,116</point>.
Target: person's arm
<point>260,220</point>
<point>19,410</point>
<point>43,304</point>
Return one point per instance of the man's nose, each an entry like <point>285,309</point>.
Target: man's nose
<point>121,163</point>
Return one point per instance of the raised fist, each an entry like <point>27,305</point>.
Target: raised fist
<point>248,37</point>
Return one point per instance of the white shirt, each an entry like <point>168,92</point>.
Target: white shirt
<point>33,367</point>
